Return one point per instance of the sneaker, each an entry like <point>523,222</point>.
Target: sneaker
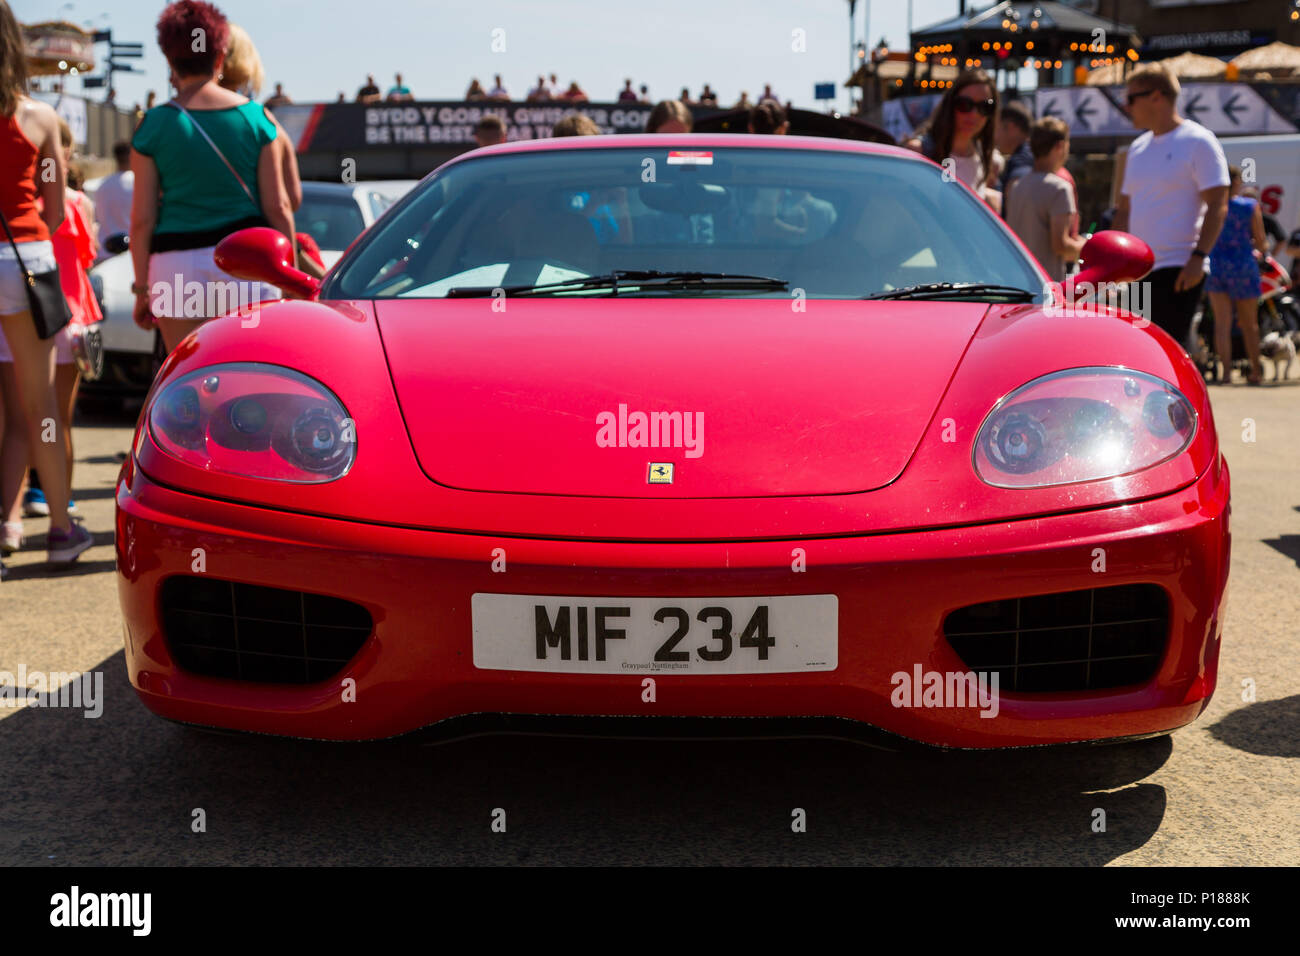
<point>66,546</point>
<point>35,505</point>
<point>11,537</point>
<point>72,507</point>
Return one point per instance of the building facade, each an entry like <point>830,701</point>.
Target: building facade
<point>1221,28</point>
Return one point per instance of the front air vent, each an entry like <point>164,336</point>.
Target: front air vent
<point>1076,640</point>
<point>265,635</point>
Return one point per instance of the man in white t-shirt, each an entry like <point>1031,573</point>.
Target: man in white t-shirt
<point>1174,197</point>
<point>113,199</point>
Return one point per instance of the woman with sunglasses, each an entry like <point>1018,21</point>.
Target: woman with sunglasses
<point>962,129</point>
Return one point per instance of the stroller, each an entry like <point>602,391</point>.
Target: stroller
<point>1279,311</point>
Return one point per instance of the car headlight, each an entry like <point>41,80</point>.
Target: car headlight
<point>1082,424</point>
<point>256,421</point>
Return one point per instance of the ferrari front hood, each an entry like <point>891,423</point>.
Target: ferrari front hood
<point>689,398</point>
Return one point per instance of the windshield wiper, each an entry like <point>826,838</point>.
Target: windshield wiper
<point>640,278</point>
<point>974,291</point>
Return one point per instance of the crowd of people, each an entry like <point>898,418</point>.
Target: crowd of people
<point>550,90</point>
<point>546,89</point>
<point>667,116</point>
<point>213,160</point>
<point>205,164</point>
<point>1177,194</point>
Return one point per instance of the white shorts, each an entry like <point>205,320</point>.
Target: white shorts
<point>38,257</point>
<point>186,284</point>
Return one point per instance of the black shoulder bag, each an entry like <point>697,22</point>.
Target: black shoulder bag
<point>44,294</point>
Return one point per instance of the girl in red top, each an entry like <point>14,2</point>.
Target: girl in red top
<point>29,141</point>
<point>74,244</point>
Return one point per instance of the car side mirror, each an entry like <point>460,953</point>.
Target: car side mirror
<point>118,243</point>
<point>1111,256</point>
<point>263,254</point>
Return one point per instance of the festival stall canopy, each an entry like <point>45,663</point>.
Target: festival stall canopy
<point>1049,24</point>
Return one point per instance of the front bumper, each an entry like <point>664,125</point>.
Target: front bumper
<point>894,590</point>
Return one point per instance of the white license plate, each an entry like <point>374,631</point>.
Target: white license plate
<point>612,635</point>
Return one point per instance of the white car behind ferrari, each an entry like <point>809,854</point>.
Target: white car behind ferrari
<point>333,214</point>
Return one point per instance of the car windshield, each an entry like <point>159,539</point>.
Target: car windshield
<point>730,221</point>
<point>332,219</point>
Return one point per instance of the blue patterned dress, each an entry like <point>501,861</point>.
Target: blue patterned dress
<point>1233,268</point>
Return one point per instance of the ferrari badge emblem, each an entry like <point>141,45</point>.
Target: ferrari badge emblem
<point>660,473</point>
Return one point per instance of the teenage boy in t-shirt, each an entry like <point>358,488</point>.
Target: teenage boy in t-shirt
<point>1042,206</point>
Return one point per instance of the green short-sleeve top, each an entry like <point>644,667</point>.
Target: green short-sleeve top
<point>199,193</point>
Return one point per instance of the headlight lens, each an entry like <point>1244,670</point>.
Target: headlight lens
<point>256,421</point>
<point>1082,424</point>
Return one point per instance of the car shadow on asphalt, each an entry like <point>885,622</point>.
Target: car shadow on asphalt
<point>123,788</point>
<point>1287,544</point>
<point>89,494</point>
<point>1270,728</point>
<point>30,571</point>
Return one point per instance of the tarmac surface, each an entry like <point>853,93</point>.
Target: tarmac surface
<point>123,789</point>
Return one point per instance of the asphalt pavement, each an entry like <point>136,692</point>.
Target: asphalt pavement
<point>124,788</point>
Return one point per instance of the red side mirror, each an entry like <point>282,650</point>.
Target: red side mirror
<point>265,255</point>
<point>1112,257</point>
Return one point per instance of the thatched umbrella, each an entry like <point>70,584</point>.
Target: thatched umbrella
<point>1110,75</point>
<point>1187,66</point>
<point>1279,59</point>
<point>1193,66</point>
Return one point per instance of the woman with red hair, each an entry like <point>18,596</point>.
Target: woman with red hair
<point>205,166</point>
<point>243,73</point>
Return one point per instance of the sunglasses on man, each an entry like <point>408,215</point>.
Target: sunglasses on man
<point>1134,97</point>
<point>964,104</point>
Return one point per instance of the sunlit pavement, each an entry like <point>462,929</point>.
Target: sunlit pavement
<point>124,788</point>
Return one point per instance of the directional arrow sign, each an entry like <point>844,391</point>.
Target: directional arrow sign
<point>1231,107</point>
<point>1193,106</point>
<point>1050,109</point>
<point>1082,111</point>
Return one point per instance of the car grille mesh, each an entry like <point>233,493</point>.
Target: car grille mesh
<point>268,635</point>
<point>1073,641</point>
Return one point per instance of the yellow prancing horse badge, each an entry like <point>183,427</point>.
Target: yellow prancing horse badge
<point>660,473</point>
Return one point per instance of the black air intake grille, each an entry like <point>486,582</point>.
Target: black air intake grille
<point>1077,640</point>
<point>267,635</point>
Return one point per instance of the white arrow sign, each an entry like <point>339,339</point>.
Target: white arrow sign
<point>1086,109</point>
<point>1230,109</point>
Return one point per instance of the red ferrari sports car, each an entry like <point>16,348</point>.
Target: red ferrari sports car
<point>670,428</point>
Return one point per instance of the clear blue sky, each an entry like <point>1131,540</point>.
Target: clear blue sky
<point>319,47</point>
